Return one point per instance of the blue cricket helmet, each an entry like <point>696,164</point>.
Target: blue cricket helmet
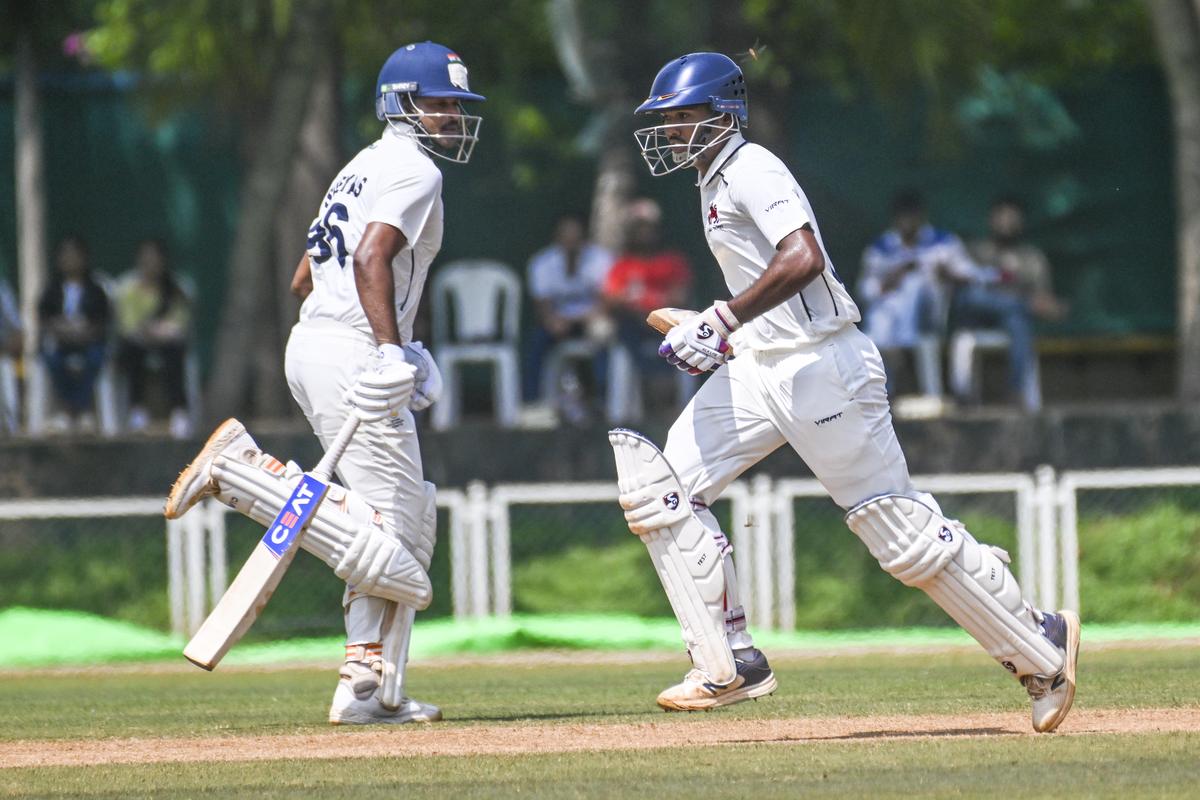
<point>423,69</point>
<point>700,79</point>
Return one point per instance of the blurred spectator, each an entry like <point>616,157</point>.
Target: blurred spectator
<point>153,323</point>
<point>901,284</point>
<point>74,314</point>
<point>10,321</point>
<point>10,349</point>
<point>1021,293</point>
<point>646,276</point>
<point>565,279</point>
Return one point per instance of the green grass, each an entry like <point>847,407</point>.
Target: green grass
<point>237,702</point>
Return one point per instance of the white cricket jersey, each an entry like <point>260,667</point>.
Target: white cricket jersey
<point>749,203</point>
<point>391,181</point>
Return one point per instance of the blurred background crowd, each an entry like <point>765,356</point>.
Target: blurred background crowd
<point>1009,243</point>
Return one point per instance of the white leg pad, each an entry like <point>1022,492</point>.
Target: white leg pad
<point>345,533</point>
<point>970,581</point>
<point>683,551</point>
<point>398,625</point>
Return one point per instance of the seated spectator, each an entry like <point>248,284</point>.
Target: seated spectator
<point>73,312</point>
<point>565,279</point>
<point>1021,293</point>
<point>901,284</point>
<point>153,323</point>
<point>10,322</point>
<point>646,276</point>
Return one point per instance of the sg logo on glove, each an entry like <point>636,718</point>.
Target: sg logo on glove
<point>704,331</point>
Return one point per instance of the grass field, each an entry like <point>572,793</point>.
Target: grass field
<point>949,724</point>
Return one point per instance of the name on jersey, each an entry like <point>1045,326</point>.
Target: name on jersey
<point>776,204</point>
<point>346,184</point>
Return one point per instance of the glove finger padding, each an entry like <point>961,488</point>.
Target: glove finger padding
<point>427,383</point>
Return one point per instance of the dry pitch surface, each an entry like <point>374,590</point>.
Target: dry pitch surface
<point>578,724</point>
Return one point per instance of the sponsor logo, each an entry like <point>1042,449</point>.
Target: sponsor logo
<point>671,500</point>
<point>704,331</point>
<point>457,72</point>
<point>296,512</point>
<point>945,535</point>
<point>778,203</point>
<point>1008,665</point>
<point>406,86</point>
<point>712,214</point>
<point>830,418</point>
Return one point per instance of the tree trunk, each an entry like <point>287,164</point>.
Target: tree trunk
<point>595,80</point>
<point>31,211</point>
<point>317,161</point>
<point>1177,28</point>
<point>247,338</point>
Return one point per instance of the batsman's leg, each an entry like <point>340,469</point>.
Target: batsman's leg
<point>693,571</point>
<point>346,533</point>
<point>374,692</point>
<point>917,545</point>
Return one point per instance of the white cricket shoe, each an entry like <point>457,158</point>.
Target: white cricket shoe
<point>696,693</point>
<point>1053,695</point>
<point>349,710</point>
<point>195,482</point>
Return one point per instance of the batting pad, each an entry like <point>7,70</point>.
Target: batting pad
<point>683,551</point>
<point>970,581</point>
<point>345,533</point>
<point>398,621</point>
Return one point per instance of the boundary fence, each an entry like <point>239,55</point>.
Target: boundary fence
<point>478,532</point>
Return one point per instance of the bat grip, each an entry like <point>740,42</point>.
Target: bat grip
<point>324,469</point>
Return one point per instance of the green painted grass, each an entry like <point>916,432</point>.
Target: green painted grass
<point>252,702</point>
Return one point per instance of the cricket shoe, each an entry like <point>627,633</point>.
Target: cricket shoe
<point>696,693</point>
<point>349,710</point>
<point>1052,696</point>
<point>195,482</point>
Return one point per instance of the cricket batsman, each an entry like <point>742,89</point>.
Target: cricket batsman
<point>803,374</point>
<point>368,252</point>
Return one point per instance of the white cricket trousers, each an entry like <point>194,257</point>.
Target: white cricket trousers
<point>383,460</point>
<point>827,400</point>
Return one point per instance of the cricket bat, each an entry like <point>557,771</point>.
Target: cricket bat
<point>254,584</point>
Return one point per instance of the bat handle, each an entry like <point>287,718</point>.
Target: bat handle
<point>324,469</point>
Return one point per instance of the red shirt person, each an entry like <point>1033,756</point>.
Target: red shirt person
<point>646,276</point>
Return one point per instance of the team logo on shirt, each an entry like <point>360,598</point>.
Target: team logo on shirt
<point>712,214</point>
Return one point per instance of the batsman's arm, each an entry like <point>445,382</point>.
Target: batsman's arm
<point>373,278</point>
<point>797,262</point>
<point>302,284</point>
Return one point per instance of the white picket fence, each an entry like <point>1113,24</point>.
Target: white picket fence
<point>1045,508</point>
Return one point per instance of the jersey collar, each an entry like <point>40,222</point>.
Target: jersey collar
<point>723,155</point>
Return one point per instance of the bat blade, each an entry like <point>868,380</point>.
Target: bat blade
<point>256,581</point>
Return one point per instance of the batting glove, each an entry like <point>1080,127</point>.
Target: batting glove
<point>701,343</point>
<point>384,387</point>
<point>427,385</point>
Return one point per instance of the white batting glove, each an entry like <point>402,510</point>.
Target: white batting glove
<point>427,385</point>
<point>384,387</point>
<point>701,343</point>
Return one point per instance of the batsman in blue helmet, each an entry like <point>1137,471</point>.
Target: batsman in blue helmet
<point>367,255</point>
<point>806,376</point>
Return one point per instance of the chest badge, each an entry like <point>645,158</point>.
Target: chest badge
<point>712,214</point>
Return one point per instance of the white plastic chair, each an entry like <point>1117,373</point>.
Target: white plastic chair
<point>965,381</point>
<point>476,319</point>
